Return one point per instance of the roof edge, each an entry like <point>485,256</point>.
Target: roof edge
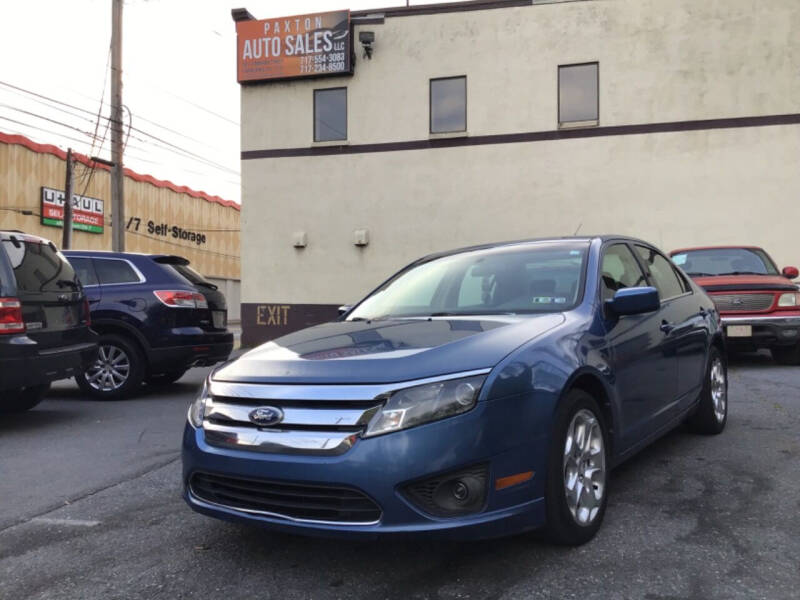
<point>441,7</point>
<point>21,140</point>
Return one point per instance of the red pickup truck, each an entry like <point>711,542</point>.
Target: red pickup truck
<point>759,305</point>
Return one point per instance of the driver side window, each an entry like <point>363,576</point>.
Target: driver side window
<point>619,270</point>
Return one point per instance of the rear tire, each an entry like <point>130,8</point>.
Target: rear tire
<point>14,401</point>
<point>711,414</point>
<point>786,355</point>
<point>165,378</point>
<point>576,490</point>
<point>117,372</point>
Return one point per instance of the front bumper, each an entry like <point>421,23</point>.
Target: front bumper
<point>767,330</point>
<point>380,467</point>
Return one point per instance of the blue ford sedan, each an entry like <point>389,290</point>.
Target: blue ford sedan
<point>476,393</point>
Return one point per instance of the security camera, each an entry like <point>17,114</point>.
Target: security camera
<point>367,38</point>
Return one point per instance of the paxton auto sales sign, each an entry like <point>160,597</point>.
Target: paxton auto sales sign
<point>291,47</point>
<point>87,213</point>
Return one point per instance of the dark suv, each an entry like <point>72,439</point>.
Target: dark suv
<point>156,317</point>
<point>44,320</point>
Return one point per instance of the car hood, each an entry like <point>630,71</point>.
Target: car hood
<point>732,283</point>
<point>386,351</point>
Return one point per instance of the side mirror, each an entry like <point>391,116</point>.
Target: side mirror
<point>344,308</point>
<point>790,272</point>
<point>634,301</point>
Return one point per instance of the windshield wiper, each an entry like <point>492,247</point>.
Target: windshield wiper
<point>207,284</point>
<point>699,274</point>
<point>742,273</point>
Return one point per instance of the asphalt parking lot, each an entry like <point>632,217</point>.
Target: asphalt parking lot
<point>91,509</point>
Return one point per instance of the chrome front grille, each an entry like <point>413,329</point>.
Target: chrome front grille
<point>743,302</point>
<point>316,419</point>
<point>307,426</point>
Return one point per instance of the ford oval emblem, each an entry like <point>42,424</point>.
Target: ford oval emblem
<point>266,416</point>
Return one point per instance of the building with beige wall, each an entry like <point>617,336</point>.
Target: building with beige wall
<point>160,216</point>
<point>682,127</point>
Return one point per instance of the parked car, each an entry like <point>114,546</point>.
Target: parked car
<point>156,317</point>
<point>760,305</point>
<point>44,320</point>
<point>476,393</point>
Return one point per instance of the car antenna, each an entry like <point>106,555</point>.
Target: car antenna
<point>578,229</point>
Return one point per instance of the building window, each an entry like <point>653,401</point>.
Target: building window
<point>330,114</point>
<point>578,101</point>
<point>448,104</point>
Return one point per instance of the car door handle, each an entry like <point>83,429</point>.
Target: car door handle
<point>666,327</point>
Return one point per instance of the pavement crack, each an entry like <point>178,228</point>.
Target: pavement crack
<point>89,494</point>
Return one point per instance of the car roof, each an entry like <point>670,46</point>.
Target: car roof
<point>532,241</point>
<point>112,254</point>
<point>727,247</point>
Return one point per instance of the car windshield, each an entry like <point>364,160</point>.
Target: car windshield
<point>527,278</point>
<point>725,261</point>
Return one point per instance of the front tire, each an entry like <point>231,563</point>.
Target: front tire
<point>786,355</point>
<point>576,487</point>
<point>711,414</point>
<point>117,372</point>
<point>14,401</point>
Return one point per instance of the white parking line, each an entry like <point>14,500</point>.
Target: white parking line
<point>72,522</point>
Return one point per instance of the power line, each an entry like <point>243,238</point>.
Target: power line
<point>50,132</point>
<point>176,148</point>
<point>96,128</point>
<point>38,116</point>
<point>161,144</point>
<point>137,157</point>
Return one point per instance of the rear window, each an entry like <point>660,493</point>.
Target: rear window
<point>39,267</point>
<point>111,271</point>
<point>190,274</point>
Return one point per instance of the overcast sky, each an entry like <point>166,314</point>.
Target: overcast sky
<point>179,80</point>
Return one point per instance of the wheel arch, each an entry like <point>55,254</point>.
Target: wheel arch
<point>718,342</point>
<point>103,326</point>
<point>593,383</point>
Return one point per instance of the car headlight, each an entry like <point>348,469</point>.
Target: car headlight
<point>197,410</point>
<point>789,299</point>
<point>420,404</point>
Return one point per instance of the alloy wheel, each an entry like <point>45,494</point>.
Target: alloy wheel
<point>584,467</point>
<point>111,369</point>
<point>719,389</point>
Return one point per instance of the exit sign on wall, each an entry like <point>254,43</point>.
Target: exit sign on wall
<point>87,213</point>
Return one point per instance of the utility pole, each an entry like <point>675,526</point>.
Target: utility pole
<point>66,233</point>
<point>117,174</point>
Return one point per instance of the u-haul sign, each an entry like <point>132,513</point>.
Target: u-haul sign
<point>87,213</point>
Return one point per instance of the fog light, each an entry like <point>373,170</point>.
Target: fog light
<point>451,494</point>
<point>460,491</point>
